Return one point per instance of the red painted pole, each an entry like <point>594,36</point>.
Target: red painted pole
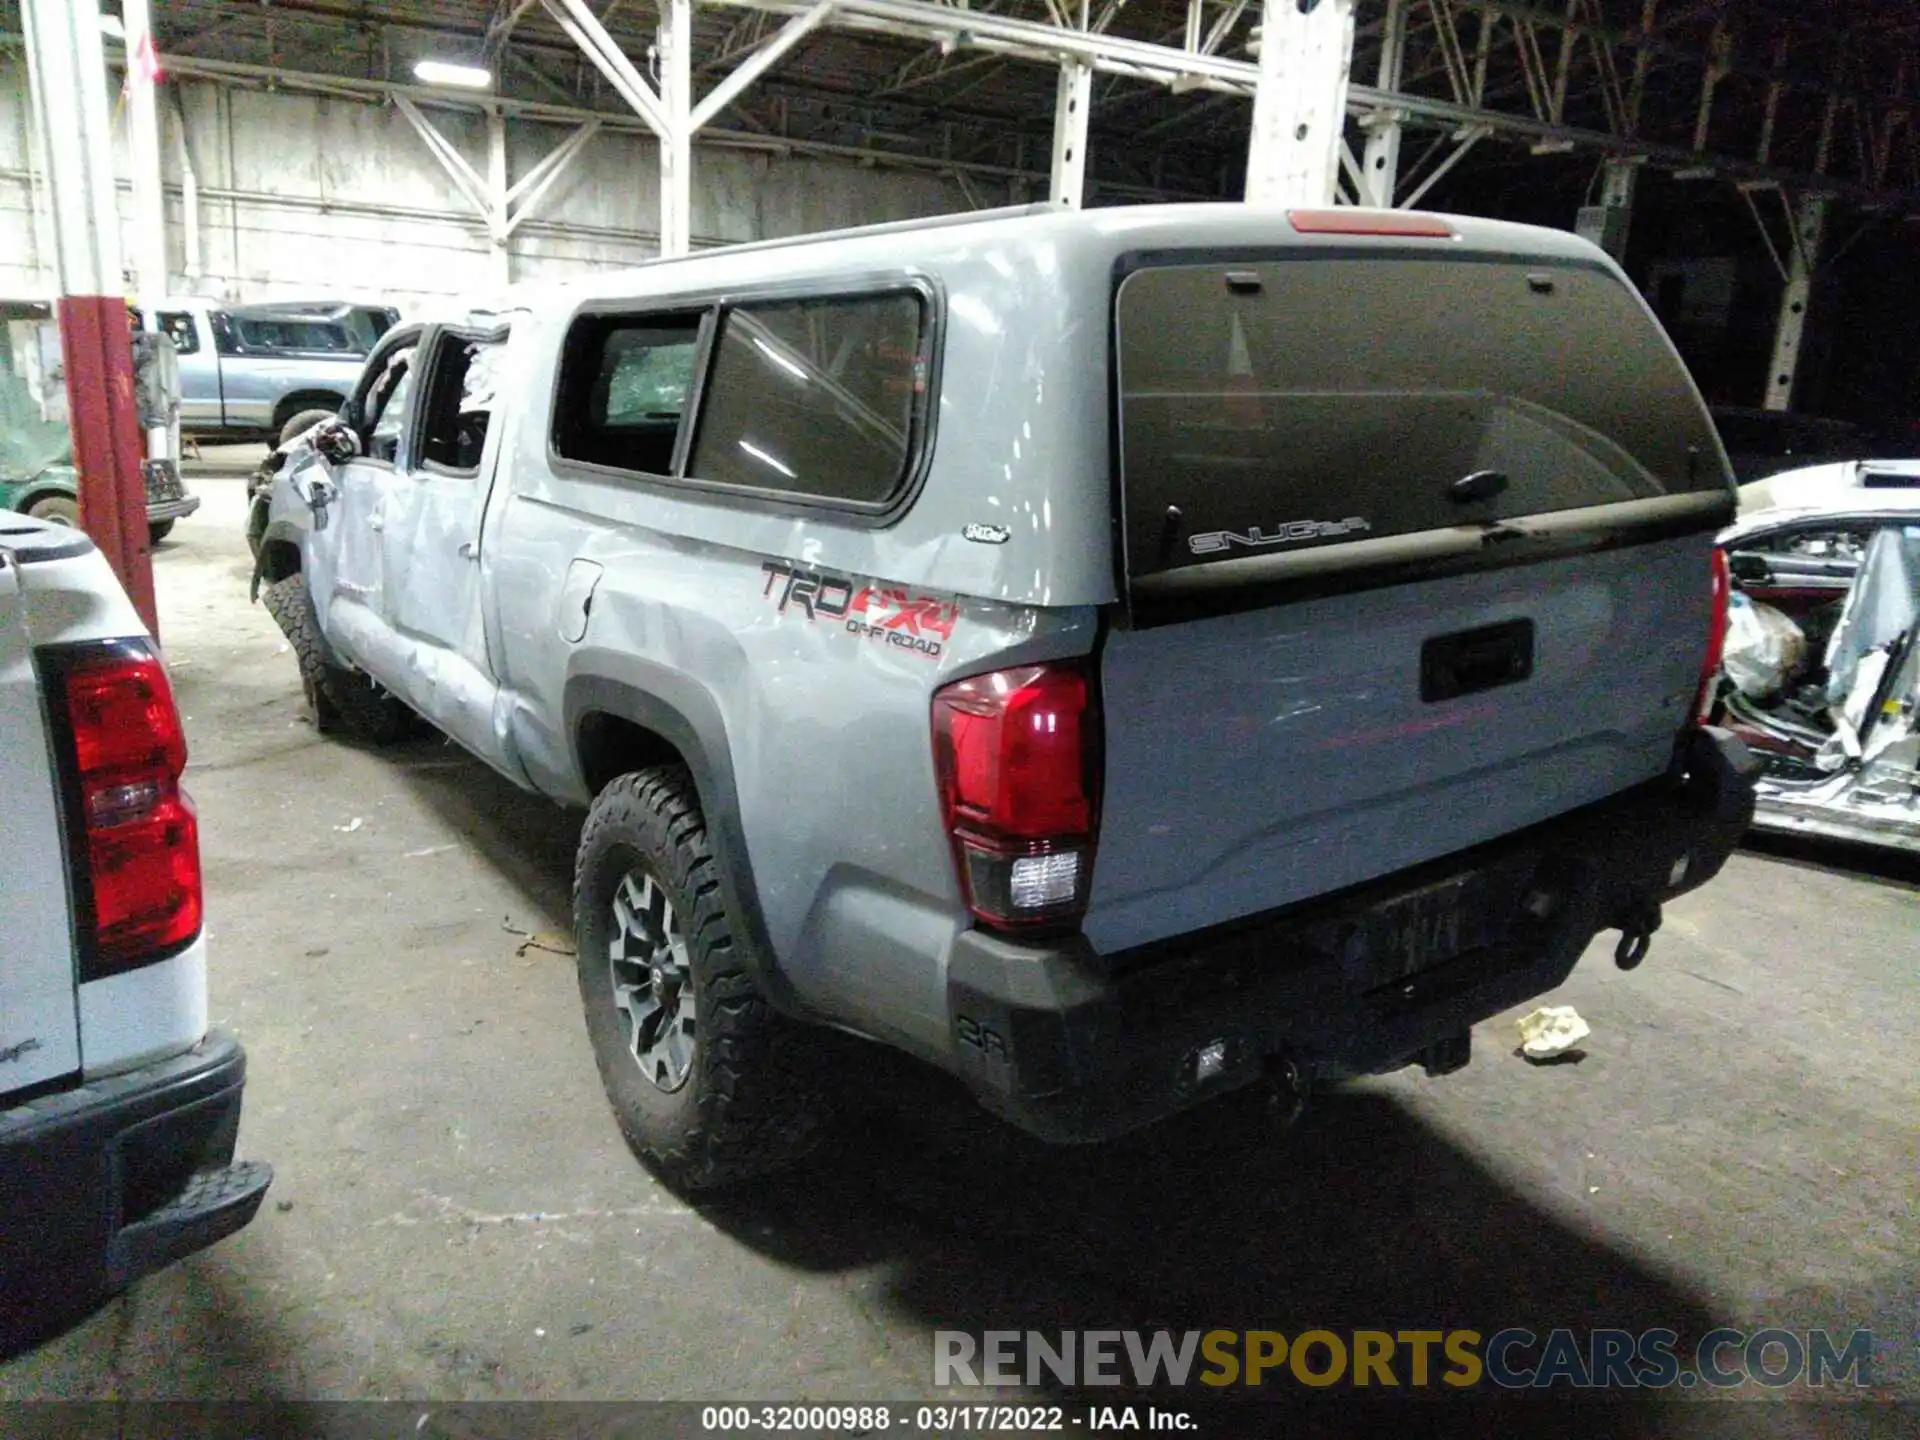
<point>69,73</point>
<point>97,347</point>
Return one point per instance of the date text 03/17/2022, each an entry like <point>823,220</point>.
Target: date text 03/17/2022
<point>941,1419</point>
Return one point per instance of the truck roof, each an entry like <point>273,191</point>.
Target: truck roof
<point>1080,237</point>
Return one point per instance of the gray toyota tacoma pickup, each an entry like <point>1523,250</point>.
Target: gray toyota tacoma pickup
<point>1118,657</point>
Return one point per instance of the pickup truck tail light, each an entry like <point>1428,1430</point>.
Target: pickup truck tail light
<point>1355,220</point>
<point>1716,634</point>
<point>133,839</point>
<point>1017,754</point>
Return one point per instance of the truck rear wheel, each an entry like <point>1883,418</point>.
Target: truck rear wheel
<point>342,700</point>
<point>710,1085</point>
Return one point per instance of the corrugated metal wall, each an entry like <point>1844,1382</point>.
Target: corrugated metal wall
<point>305,196</point>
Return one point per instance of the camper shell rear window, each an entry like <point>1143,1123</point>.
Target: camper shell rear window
<point>1283,405</point>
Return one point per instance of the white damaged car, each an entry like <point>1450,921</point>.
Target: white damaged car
<point>1821,671</point>
<point>1818,484</point>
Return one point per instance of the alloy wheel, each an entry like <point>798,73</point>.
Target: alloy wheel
<point>652,985</point>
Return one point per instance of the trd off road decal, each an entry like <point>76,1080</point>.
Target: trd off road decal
<point>811,591</point>
<point>887,615</point>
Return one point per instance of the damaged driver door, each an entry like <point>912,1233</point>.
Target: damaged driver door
<point>348,500</point>
<point>432,537</point>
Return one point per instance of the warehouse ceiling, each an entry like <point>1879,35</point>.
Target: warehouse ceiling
<point>1761,90</point>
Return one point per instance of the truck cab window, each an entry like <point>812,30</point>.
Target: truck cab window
<point>224,339</point>
<point>820,398</point>
<point>386,406</point>
<point>177,326</point>
<point>301,336</point>
<point>624,383</point>
<point>460,403</point>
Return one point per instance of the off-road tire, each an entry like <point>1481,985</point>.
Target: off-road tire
<point>343,701</point>
<point>753,1100</point>
<point>158,530</point>
<point>303,421</point>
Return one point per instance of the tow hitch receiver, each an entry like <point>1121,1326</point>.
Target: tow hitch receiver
<point>1287,1089</point>
<point>1636,935</point>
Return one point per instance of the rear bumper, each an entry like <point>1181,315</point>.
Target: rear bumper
<point>117,1178</point>
<point>167,494</point>
<point>1075,1046</point>
<point>172,509</point>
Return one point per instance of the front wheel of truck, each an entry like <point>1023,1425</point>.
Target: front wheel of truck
<point>342,700</point>
<point>710,1085</point>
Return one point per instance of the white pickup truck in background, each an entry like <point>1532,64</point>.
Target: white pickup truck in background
<point>119,1109</point>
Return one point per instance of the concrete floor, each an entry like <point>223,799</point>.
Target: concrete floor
<point>455,1215</point>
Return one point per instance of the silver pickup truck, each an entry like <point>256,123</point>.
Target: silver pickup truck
<point>250,372</point>
<point>1117,656</point>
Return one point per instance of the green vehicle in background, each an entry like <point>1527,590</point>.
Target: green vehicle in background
<point>37,474</point>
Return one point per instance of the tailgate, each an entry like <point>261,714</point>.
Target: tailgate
<point>39,1022</point>
<point>1417,554</point>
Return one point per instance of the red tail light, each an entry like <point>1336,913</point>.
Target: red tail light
<point>133,837</point>
<point>1716,633</point>
<point>1017,756</point>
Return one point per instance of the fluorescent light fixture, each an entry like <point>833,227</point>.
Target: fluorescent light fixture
<point>444,72</point>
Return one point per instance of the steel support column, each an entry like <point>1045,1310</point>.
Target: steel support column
<point>1607,223</point>
<point>39,164</point>
<point>70,69</point>
<point>1380,164</point>
<point>162,442</point>
<point>1809,224</point>
<point>1073,101</point>
<point>676,138</point>
<point>189,198</point>
<point>143,152</point>
<point>1300,101</point>
<point>497,231</point>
